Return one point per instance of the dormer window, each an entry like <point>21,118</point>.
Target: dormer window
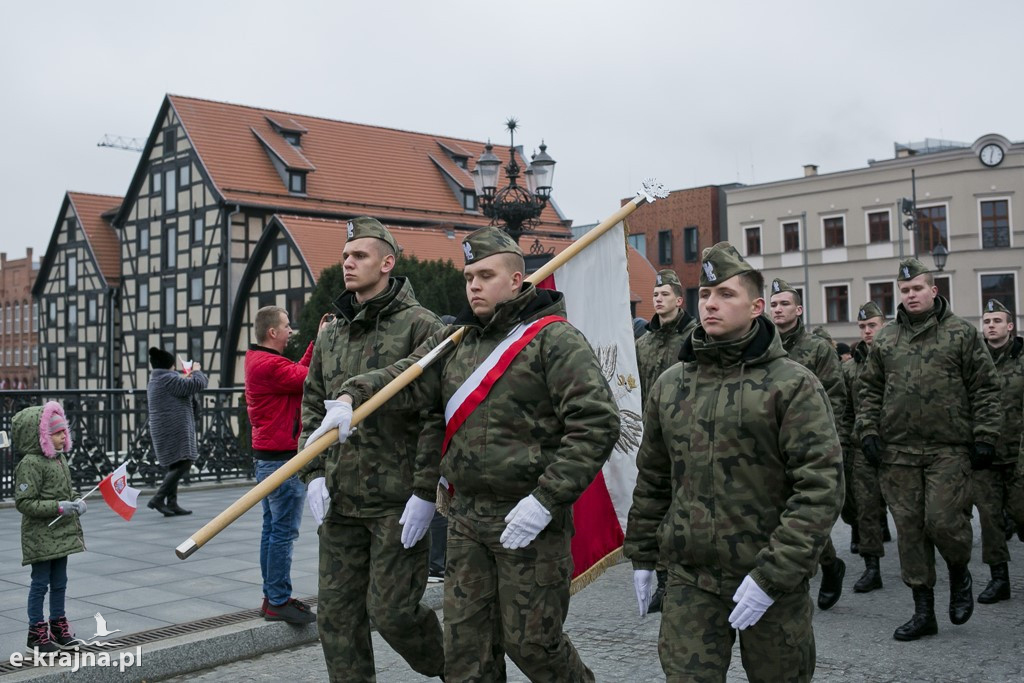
<point>469,201</point>
<point>296,182</point>
<point>288,128</point>
<point>292,138</point>
<point>461,162</point>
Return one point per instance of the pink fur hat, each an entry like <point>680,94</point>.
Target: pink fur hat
<point>53,421</point>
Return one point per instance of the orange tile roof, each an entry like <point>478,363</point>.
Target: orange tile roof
<point>291,157</point>
<point>360,169</point>
<point>320,242</point>
<point>105,245</point>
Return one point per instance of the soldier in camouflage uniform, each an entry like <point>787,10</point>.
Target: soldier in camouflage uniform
<point>365,574</point>
<point>657,350</point>
<point>517,464</point>
<point>870,506</point>
<point>998,487</point>
<point>740,482</point>
<point>817,355</point>
<point>929,411</point>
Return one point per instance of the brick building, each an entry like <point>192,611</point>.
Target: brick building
<point>673,231</point>
<point>19,323</point>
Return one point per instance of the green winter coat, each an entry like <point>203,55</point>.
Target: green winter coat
<point>547,426</point>
<point>928,388</point>
<point>1009,362</point>
<point>658,349</point>
<point>40,483</point>
<point>740,470</point>
<point>370,475</point>
<point>817,355</point>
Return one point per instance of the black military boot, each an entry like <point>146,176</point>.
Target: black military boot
<point>999,587</point>
<point>172,505</point>
<point>831,584</point>
<point>923,622</point>
<point>961,596</point>
<point>871,579</point>
<point>157,503</point>
<point>854,540</point>
<point>658,597</point>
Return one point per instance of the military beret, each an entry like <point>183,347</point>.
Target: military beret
<point>779,286</point>
<point>910,268</point>
<point>996,306</point>
<point>666,277</point>
<point>364,226</point>
<point>160,359</point>
<point>869,310</point>
<point>721,262</point>
<point>486,242</point>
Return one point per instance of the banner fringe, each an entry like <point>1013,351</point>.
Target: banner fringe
<point>600,567</point>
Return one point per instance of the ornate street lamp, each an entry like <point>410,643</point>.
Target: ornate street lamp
<point>939,255</point>
<point>516,206</point>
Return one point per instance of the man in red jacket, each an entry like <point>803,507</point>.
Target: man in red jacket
<point>273,396</point>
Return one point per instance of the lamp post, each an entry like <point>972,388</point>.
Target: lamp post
<point>939,254</point>
<point>909,208</point>
<point>516,206</point>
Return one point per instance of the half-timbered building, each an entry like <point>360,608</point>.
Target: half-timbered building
<point>78,295</point>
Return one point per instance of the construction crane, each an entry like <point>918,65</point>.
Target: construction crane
<point>121,142</point>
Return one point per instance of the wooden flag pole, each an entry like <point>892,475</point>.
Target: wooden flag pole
<point>650,191</point>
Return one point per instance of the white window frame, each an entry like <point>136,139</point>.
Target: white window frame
<point>824,303</point>
<point>949,228</point>
<point>759,227</point>
<point>782,236</point>
<point>1016,287</point>
<point>1009,211</point>
<point>895,294</point>
<point>867,224</point>
<point>846,231</point>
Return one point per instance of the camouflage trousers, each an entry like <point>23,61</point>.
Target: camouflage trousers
<point>696,641</point>
<point>870,506</point>
<point>367,576</point>
<point>992,491</point>
<point>931,507</point>
<point>499,601</point>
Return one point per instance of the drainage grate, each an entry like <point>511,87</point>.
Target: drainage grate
<point>163,633</point>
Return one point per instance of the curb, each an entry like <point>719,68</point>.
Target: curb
<point>193,652</point>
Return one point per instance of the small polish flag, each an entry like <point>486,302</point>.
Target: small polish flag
<point>121,497</point>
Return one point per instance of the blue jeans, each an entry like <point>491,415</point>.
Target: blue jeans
<point>282,513</point>
<point>52,574</point>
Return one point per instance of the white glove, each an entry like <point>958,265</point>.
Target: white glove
<point>643,582</point>
<point>318,498</point>
<point>415,520</point>
<point>339,414</point>
<point>751,603</point>
<point>527,519</point>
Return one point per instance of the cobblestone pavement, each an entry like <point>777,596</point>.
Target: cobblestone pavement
<point>854,638</point>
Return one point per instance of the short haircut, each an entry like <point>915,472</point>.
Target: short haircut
<point>1008,316</point>
<point>797,299</point>
<point>515,262</point>
<point>930,279</point>
<point>677,289</point>
<point>384,249</point>
<point>267,317</point>
<point>753,280</point>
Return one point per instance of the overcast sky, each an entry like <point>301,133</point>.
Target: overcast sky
<point>693,93</point>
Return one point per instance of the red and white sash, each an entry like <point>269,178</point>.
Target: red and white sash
<point>476,387</point>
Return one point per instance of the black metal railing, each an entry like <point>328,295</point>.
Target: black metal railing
<point>111,426</point>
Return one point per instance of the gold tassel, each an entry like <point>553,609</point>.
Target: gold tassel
<point>444,500</point>
<point>591,575</point>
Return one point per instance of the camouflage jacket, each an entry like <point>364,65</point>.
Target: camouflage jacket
<point>370,475</point>
<point>851,377</point>
<point>817,355</point>
<point>658,349</point>
<point>929,387</point>
<point>740,470</point>
<point>547,426</point>
<point>1009,362</point>
<point>40,483</point>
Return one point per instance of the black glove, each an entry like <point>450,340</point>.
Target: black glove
<point>872,447</point>
<point>982,456</point>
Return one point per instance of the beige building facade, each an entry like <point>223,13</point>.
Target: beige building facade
<point>839,237</point>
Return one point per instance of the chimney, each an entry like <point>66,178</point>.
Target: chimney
<point>29,257</point>
<point>810,170</point>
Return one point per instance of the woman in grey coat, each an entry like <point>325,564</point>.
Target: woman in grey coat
<point>172,425</point>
